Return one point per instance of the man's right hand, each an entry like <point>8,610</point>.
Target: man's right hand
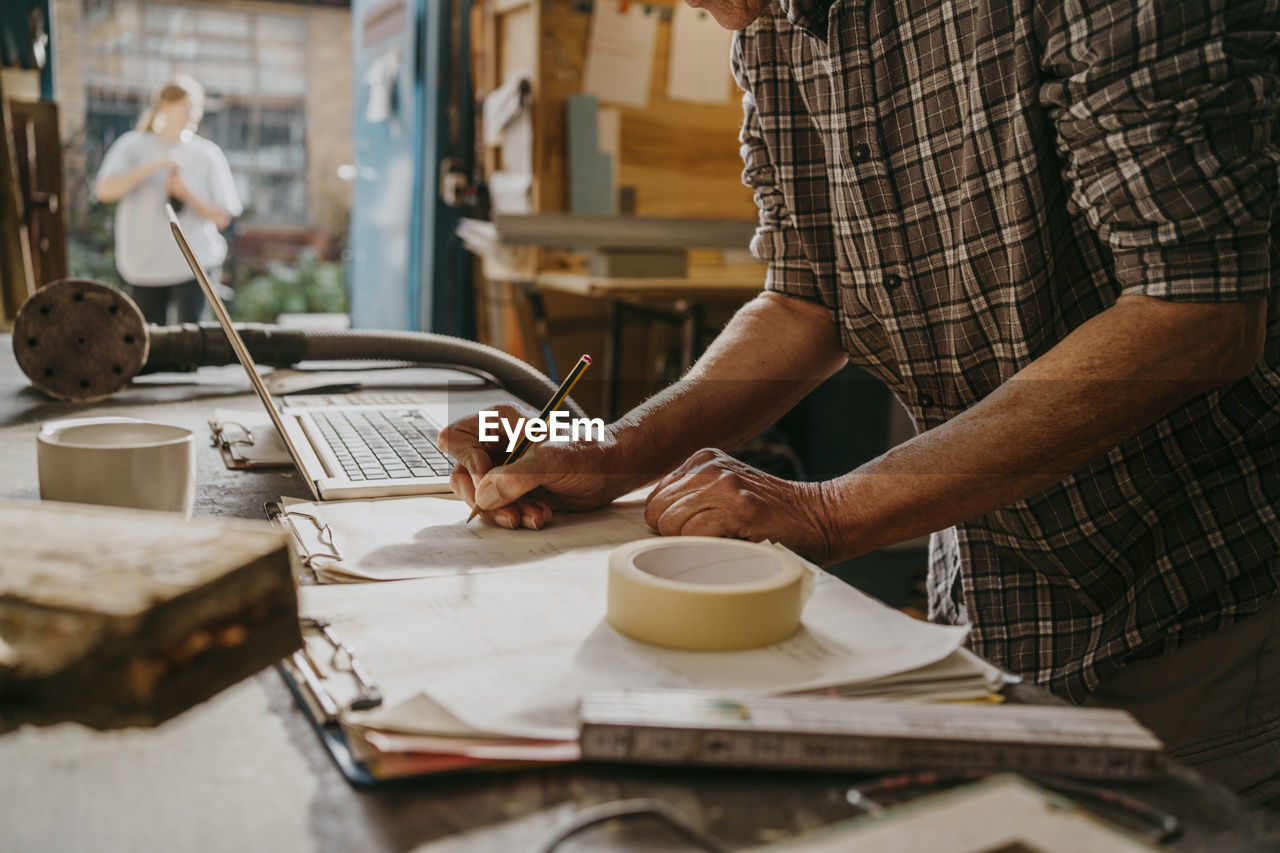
<point>550,476</point>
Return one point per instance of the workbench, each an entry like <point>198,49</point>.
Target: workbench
<point>246,772</point>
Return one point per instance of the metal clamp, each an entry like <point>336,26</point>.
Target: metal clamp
<point>324,535</point>
<point>224,438</point>
<point>344,659</point>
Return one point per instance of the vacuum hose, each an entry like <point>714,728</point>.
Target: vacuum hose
<point>81,340</point>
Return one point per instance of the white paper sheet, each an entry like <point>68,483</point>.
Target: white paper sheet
<point>609,132</point>
<point>517,145</point>
<point>620,52</point>
<point>960,675</point>
<point>511,192</point>
<point>504,104</point>
<point>381,78</point>
<point>508,122</point>
<point>383,540</point>
<point>510,652</point>
<point>698,69</point>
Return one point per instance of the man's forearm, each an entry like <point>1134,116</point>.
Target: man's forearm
<point>773,352</point>
<point>1104,383</point>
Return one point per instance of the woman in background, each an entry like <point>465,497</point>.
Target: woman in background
<point>164,161</point>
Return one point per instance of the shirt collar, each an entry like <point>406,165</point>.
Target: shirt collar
<point>808,15</point>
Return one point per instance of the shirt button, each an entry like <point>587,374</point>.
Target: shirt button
<point>892,281</point>
<point>860,153</point>
<point>926,401</point>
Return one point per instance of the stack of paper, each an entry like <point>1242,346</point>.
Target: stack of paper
<point>960,676</point>
<point>481,640</point>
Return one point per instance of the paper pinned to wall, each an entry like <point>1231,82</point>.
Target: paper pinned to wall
<point>382,77</point>
<point>511,192</point>
<point>699,66</point>
<point>620,52</point>
<point>609,131</point>
<point>508,122</point>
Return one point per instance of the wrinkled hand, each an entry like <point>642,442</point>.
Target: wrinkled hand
<point>713,494</point>
<point>523,494</point>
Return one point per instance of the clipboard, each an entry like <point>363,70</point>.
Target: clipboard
<point>319,706</point>
<point>245,443</point>
<point>321,712</point>
<point>304,680</point>
<point>330,732</point>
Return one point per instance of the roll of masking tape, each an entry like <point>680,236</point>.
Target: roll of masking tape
<point>706,594</point>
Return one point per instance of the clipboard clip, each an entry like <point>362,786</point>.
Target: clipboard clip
<point>228,435</point>
<point>344,660</point>
<point>323,535</point>
<point>224,436</point>
<point>243,448</point>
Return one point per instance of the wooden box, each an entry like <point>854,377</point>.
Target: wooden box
<point>113,617</point>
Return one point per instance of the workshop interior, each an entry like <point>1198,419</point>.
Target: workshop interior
<point>262,262</point>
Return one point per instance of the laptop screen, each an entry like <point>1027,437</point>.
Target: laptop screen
<point>238,345</point>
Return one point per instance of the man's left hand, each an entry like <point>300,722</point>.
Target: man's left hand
<point>713,494</point>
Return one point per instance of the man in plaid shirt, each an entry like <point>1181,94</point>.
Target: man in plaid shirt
<point>1048,229</point>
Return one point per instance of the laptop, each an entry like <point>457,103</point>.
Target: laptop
<point>342,450</point>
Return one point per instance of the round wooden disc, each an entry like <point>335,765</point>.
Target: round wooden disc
<point>80,340</point>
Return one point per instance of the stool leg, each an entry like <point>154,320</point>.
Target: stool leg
<point>538,309</point>
<point>690,332</point>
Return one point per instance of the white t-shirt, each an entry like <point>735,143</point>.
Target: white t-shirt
<point>146,253</point>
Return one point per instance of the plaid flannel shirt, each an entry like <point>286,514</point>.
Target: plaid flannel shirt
<point>963,182</point>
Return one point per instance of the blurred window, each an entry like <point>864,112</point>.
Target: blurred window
<point>252,64</point>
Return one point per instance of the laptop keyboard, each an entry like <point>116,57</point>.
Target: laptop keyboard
<point>383,444</point>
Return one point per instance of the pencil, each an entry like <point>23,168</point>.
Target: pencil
<point>554,403</point>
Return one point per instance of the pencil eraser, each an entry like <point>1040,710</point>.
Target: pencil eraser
<point>586,358</point>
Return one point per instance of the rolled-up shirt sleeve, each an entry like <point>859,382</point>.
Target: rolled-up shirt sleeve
<point>777,241</point>
<point>222,185</point>
<point>1165,115</point>
<point>123,155</point>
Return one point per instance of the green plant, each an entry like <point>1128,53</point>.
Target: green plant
<point>89,257</point>
<point>308,285</point>
<point>90,241</point>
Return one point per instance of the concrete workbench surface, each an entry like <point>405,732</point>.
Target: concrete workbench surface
<point>246,772</point>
